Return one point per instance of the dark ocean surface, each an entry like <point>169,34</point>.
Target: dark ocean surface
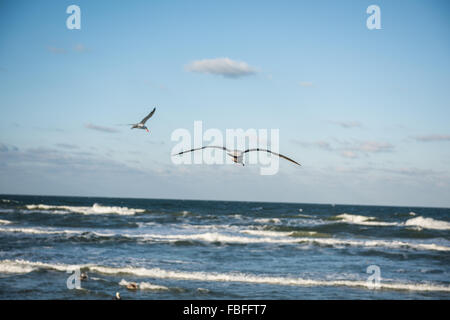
<point>176,249</point>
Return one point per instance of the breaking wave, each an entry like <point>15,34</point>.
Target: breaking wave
<point>257,237</point>
<point>39,231</point>
<point>95,209</point>
<point>428,223</point>
<point>23,266</point>
<point>363,220</point>
<point>267,220</point>
<point>224,238</point>
<point>421,222</point>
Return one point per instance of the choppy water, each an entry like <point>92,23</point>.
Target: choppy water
<point>176,249</point>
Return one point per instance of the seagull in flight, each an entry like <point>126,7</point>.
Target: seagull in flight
<point>141,125</point>
<point>238,156</point>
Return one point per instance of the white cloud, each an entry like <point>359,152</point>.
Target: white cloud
<point>349,149</point>
<point>319,144</point>
<point>433,137</point>
<point>349,154</point>
<point>67,146</point>
<point>374,146</point>
<point>306,84</point>
<point>348,124</point>
<point>222,66</point>
<point>100,128</point>
<point>80,48</point>
<point>56,50</point>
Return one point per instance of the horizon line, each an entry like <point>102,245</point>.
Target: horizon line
<point>254,201</point>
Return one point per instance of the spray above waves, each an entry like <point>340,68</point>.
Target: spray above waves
<point>23,266</point>
<point>95,209</point>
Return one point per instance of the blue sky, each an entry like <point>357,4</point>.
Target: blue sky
<point>366,112</point>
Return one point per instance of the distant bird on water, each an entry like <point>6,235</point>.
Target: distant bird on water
<point>141,125</point>
<point>132,286</point>
<point>237,156</point>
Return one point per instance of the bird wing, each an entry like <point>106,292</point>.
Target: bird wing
<point>148,117</point>
<point>277,154</point>
<point>186,151</point>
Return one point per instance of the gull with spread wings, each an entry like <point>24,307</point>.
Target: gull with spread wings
<point>238,156</point>
<point>141,125</point>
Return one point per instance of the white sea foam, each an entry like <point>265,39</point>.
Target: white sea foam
<point>428,223</point>
<point>266,233</point>
<point>52,231</point>
<point>144,285</point>
<point>177,262</point>
<point>394,244</point>
<point>277,234</point>
<point>8,266</point>
<point>8,201</point>
<point>363,220</point>
<point>261,236</point>
<point>214,227</point>
<point>3,222</point>
<point>267,220</point>
<point>417,222</point>
<point>305,216</point>
<point>229,238</point>
<point>95,209</point>
<point>39,231</point>
<point>257,279</point>
<point>23,266</point>
<point>214,237</point>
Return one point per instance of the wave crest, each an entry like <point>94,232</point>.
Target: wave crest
<point>363,220</point>
<point>256,237</point>
<point>95,209</point>
<point>158,273</point>
<point>428,223</point>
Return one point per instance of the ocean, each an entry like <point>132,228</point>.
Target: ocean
<point>186,249</point>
